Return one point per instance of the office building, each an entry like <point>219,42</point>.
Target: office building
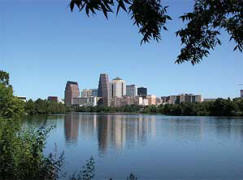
<point>86,93</point>
<point>52,98</point>
<point>103,90</point>
<point>118,87</point>
<point>183,98</point>
<point>241,93</point>
<point>71,91</point>
<point>131,90</point>
<point>128,100</point>
<point>85,101</point>
<point>89,92</point>
<point>142,91</point>
<point>151,100</point>
<point>94,92</point>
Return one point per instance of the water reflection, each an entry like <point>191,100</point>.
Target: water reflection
<point>113,131</point>
<point>153,145</point>
<point>119,131</point>
<point>71,124</point>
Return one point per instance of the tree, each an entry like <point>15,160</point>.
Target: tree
<point>4,78</point>
<point>21,151</point>
<point>202,29</point>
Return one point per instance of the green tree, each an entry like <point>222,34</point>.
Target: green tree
<point>21,151</point>
<point>202,29</point>
<point>4,78</point>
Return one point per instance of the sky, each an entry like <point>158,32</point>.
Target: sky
<point>43,45</point>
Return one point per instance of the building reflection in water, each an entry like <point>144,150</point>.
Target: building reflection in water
<point>113,131</point>
<point>120,131</point>
<point>71,125</point>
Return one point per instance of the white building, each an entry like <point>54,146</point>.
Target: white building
<point>131,90</point>
<point>118,87</point>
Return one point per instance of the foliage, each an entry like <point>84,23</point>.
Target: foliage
<point>21,151</point>
<point>44,107</point>
<point>202,29</point>
<point>10,106</point>
<point>87,172</point>
<point>4,78</point>
<point>219,107</point>
<point>21,154</point>
<point>204,24</point>
<point>149,15</point>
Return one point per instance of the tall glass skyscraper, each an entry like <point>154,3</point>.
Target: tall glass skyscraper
<point>142,91</point>
<point>103,89</point>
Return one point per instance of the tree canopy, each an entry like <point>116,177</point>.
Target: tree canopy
<point>202,26</point>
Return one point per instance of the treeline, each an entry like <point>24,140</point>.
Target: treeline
<point>219,107</point>
<point>41,106</point>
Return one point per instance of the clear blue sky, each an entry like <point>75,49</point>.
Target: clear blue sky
<point>43,44</point>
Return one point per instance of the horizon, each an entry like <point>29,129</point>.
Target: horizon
<point>44,45</point>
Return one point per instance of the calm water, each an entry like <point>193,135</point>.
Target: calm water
<point>151,146</point>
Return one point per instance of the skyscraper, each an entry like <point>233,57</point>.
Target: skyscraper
<point>103,89</point>
<point>142,91</point>
<point>131,90</point>
<point>118,87</point>
<point>241,93</point>
<point>86,93</point>
<point>94,92</point>
<point>89,93</point>
<point>71,91</point>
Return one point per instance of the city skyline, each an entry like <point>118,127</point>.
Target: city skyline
<point>94,91</point>
<point>41,60</point>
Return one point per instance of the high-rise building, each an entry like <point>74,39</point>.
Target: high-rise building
<point>241,93</point>
<point>71,91</point>
<point>94,92</point>
<point>103,89</point>
<point>142,91</point>
<point>86,93</point>
<point>89,93</point>
<point>118,87</point>
<point>131,90</point>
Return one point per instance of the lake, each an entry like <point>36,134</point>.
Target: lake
<point>152,147</point>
